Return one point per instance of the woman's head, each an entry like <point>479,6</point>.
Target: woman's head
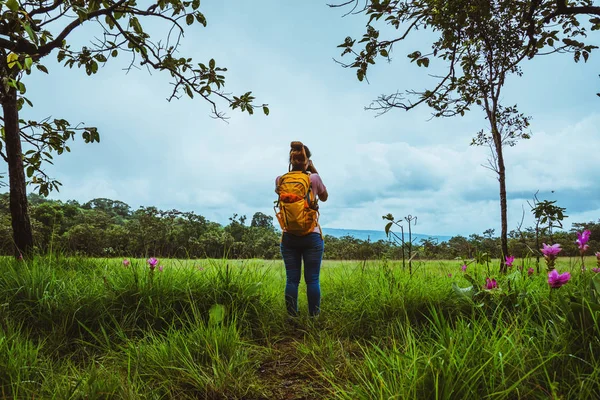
<point>299,156</point>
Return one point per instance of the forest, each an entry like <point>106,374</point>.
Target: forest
<point>110,228</point>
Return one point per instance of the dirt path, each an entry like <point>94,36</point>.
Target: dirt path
<point>288,376</point>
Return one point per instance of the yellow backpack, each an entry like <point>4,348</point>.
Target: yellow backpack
<point>296,206</point>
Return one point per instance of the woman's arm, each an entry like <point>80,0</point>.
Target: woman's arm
<point>319,186</point>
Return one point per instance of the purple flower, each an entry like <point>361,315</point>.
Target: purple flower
<point>490,284</point>
<point>152,263</point>
<point>530,271</point>
<point>556,280</point>
<point>598,255</point>
<point>160,268</point>
<point>509,261</point>
<point>551,251</point>
<point>449,275</point>
<point>596,270</point>
<point>126,263</point>
<point>463,267</point>
<point>582,239</point>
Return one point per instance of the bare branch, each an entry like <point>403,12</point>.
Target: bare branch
<point>56,17</point>
<point>356,2</point>
<point>395,100</point>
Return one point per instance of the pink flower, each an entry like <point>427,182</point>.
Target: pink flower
<point>551,251</point>
<point>582,239</point>
<point>490,284</point>
<point>530,271</point>
<point>596,270</point>
<point>160,268</point>
<point>598,255</point>
<point>463,267</point>
<point>509,261</point>
<point>556,280</point>
<point>449,275</point>
<point>152,262</point>
<point>126,263</point>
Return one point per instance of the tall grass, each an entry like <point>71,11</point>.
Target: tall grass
<point>93,328</point>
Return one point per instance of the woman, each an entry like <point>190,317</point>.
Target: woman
<point>308,247</point>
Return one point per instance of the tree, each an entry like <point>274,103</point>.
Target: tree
<point>545,213</point>
<point>260,220</point>
<point>32,30</point>
<point>482,43</point>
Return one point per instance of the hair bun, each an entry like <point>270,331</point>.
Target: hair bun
<point>297,146</point>
<point>297,153</point>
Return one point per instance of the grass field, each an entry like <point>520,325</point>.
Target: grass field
<point>74,328</point>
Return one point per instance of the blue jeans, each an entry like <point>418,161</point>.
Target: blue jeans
<point>293,250</point>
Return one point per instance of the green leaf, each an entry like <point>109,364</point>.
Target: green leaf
<point>266,110</point>
<point>28,62</point>
<point>12,59</point>
<point>465,293</point>
<point>383,52</point>
<point>211,63</point>
<point>360,75</point>
<point>189,19</point>
<point>12,5</point>
<point>30,32</point>
<point>216,314</point>
<point>595,284</point>
<point>21,87</point>
<point>201,18</point>
<point>253,288</point>
<point>42,68</point>
<point>387,228</point>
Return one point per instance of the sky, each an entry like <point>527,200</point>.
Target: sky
<point>173,155</point>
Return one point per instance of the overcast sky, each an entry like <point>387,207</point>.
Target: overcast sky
<point>174,155</point>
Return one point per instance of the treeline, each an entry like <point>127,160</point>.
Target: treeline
<point>104,228</point>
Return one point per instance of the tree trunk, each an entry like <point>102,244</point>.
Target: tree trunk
<point>503,209</point>
<point>22,236</point>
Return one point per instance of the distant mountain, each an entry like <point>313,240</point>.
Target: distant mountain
<point>374,236</point>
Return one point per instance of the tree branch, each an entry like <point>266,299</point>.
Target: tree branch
<point>563,9</point>
<point>44,10</point>
<point>19,45</point>
<point>157,66</point>
<point>46,49</point>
